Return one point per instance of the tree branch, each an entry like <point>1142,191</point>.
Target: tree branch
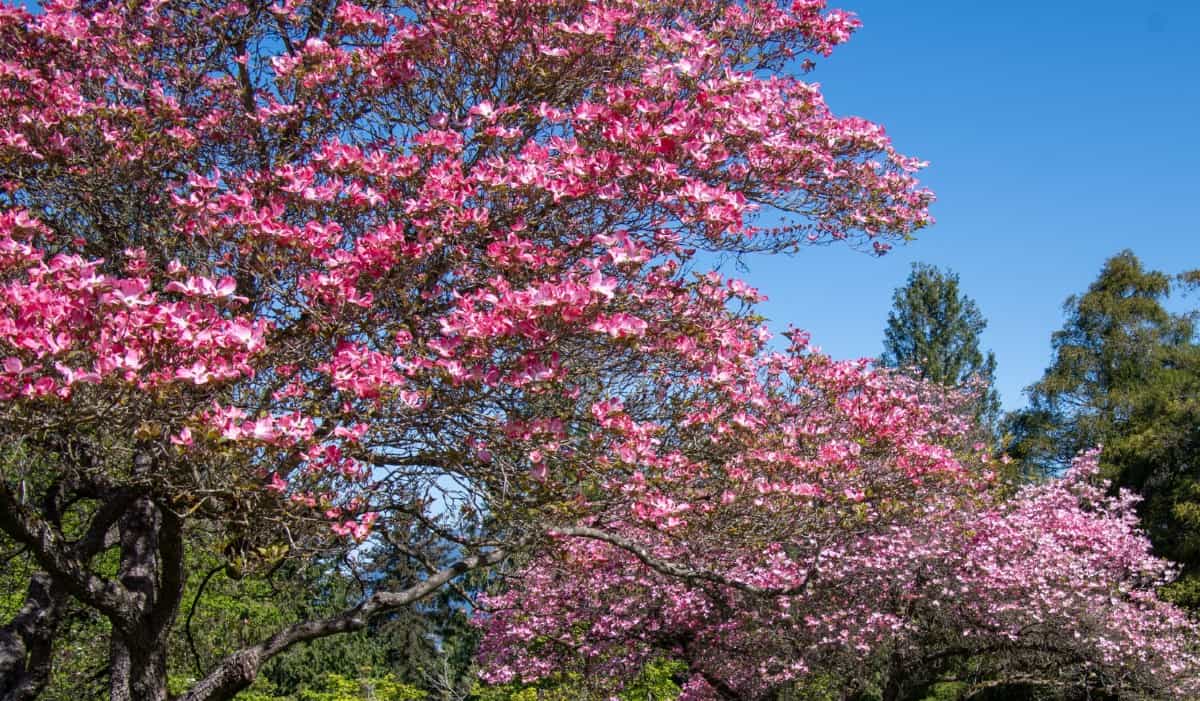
<point>98,536</point>
<point>27,642</point>
<point>55,557</point>
<point>676,570</point>
<point>237,671</point>
<point>187,624</point>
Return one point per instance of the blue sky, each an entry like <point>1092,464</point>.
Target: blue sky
<point>1059,132</point>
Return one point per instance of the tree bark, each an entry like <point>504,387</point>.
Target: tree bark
<point>68,567</point>
<point>142,601</point>
<point>26,643</point>
<point>151,570</point>
<point>899,672</point>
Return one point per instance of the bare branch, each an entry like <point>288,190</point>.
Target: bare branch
<point>674,569</point>
<point>55,556</point>
<point>237,671</point>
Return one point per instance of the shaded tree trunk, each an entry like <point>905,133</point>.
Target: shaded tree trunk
<point>142,601</point>
<point>26,642</point>
<point>152,571</point>
<point>896,676</point>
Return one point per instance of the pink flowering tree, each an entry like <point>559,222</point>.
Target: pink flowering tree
<point>273,274</point>
<point>757,552</point>
<point>859,586</point>
<point>1056,587</point>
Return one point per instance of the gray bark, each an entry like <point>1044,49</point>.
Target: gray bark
<point>26,642</point>
<point>151,570</point>
<point>143,599</point>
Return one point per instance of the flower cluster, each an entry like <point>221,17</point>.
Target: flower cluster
<point>433,216</point>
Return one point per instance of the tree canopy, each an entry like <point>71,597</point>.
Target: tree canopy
<point>273,273</point>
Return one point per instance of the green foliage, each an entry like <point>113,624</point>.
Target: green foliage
<point>391,659</point>
<point>656,682</point>
<point>504,692</point>
<point>80,667</point>
<point>565,687</point>
<point>934,329</point>
<point>79,661</point>
<point>1109,361</point>
<point>230,612</point>
<point>14,577</point>
<point>817,687</point>
<point>336,687</point>
<point>945,691</point>
<point>400,647</point>
<point>1126,375</point>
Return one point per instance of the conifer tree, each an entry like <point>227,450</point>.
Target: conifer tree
<point>933,329</point>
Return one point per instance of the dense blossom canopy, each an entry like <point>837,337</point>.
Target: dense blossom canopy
<point>267,267</point>
<point>334,238</point>
<point>285,275</point>
<point>1055,587</point>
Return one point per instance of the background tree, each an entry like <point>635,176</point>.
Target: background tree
<point>1126,375</point>
<point>934,329</point>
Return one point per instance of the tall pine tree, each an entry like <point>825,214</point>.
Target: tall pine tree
<point>933,330</point>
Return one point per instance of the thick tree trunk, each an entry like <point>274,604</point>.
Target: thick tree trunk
<point>895,679</point>
<point>138,671</point>
<point>151,540</point>
<point>26,642</point>
<point>142,601</point>
<point>891,690</point>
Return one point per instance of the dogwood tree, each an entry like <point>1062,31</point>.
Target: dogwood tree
<point>274,272</point>
<point>867,575</point>
<point>772,550</point>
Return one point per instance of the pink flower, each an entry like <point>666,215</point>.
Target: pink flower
<point>183,438</point>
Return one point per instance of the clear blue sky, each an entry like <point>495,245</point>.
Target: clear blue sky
<point>1059,132</point>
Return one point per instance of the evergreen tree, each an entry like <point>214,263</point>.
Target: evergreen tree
<point>1108,357</point>
<point>1126,375</point>
<point>933,329</point>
